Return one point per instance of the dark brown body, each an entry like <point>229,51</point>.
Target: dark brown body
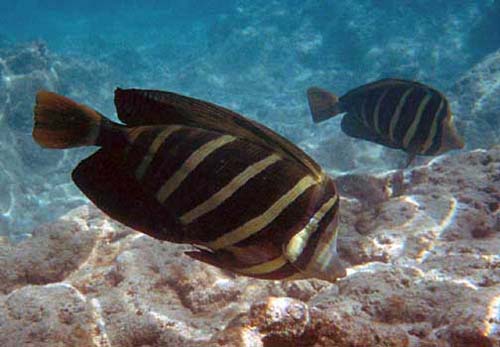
<point>188,171</point>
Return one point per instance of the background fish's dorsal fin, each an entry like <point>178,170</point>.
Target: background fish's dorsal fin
<point>141,107</point>
<point>366,88</point>
<point>387,83</point>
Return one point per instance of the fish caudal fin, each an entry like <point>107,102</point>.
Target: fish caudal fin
<point>323,104</point>
<point>62,123</point>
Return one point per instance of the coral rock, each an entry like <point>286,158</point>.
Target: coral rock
<point>423,270</point>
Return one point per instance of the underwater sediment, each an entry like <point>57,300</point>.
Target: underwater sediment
<point>422,258</point>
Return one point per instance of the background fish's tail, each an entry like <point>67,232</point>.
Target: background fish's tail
<point>323,104</point>
<point>62,123</point>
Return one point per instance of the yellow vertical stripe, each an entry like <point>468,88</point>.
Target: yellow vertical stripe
<point>363,113</point>
<point>377,111</point>
<point>413,127</point>
<point>397,112</point>
<point>263,268</point>
<point>228,190</point>
<point>153,148</point>
<point>432,133</point>
<point>135,132</point>
<point>195,159</point>
<point>258,223</point>
<point>298,242</point>
<point>325,262</point>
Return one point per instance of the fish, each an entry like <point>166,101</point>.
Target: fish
<point>184,170</point>
<point>396,113</point>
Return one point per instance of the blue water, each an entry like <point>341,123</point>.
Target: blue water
<point>257,57</point>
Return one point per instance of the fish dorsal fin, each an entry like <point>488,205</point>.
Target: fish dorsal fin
<point>141,107</point>
<point>384,83</point>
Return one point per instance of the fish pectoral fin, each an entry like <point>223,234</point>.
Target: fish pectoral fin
<point>354,127</point>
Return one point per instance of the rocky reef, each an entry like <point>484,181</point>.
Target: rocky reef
<point>421,246</point>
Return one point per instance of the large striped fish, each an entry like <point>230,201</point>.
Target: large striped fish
<point>396,113</point>
<point>187,171</point>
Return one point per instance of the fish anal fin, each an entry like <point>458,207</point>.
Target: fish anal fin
<point>102,179</point>
<point>205,257</point>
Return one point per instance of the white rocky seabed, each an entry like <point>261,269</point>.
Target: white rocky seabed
<point>422,249</point>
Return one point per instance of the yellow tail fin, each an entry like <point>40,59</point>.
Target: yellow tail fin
<point>62,123</point>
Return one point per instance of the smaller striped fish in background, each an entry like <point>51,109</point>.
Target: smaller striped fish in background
<point>188,171</point>
<point>395,113</point>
